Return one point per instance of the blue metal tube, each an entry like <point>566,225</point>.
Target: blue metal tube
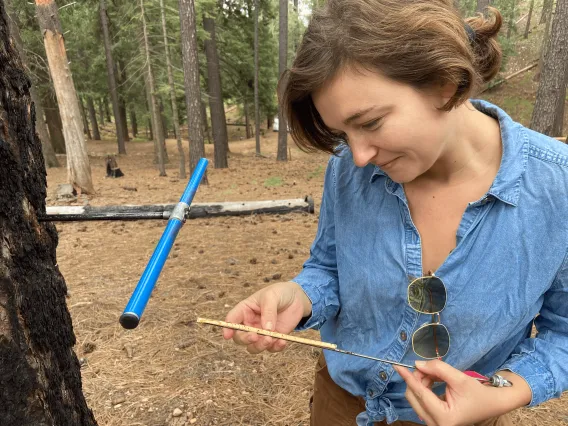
<point>130,318</point>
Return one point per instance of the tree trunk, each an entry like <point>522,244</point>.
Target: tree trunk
<point>544,46</point>
<point>40,373</point>
<point>133,123</point>
<point>86,129</point>
<point>53,120</point>
<point>206,122</point>
<point>121,78</point>
<point>247,119</point>
<point>175,114</point>
<point>153,102</point>
<point>546,11</point>
<point>511,23</point>
<point>102,111</point>
<point>218,120</point>
<point>282,64</point>
<point>528,26</point>
<point>107,112</point>
<point>256,105</point>
<point>78,168</point>
<point>191,81</point>
<point>47,149</point>
<point>482,5</point>
<point>93,116</point>
<point>150,132</point>
<point>548,113</point>
<point>164,121</point>
<point>120,131</point>
<point>268,123</point>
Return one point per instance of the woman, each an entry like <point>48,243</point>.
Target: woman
<point>441,230</point>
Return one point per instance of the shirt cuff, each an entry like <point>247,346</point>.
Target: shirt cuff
<point>317,285</point>
<point>535,373</point>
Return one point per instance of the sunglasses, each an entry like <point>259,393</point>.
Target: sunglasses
<point>427,295</point>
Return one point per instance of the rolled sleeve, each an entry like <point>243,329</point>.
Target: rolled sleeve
<point>543,361</point>
<point>318,277</point>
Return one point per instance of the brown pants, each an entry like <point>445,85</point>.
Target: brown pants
<point>333,406</point>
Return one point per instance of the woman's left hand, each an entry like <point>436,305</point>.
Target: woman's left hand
<point>466,400</point>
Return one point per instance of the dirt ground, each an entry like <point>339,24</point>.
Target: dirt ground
<point>169,364</point>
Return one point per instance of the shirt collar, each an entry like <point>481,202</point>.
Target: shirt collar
<point>506,185</point>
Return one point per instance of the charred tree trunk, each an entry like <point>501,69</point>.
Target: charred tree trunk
<point>548,113</point>
<point>529,17</point>
<point>102,112</point>
<point>121,78</point>
<point>247,119</point>
<point>546,11</point>
<point>218,120</point>
<point>175,114</point>
<point>93,116</point>
<point>47,149</point>
<point>86,128</point>
<point>256,104</point>
<point>78,168</point>
<point>153,102</point>
<point>53,120</point>
<point>282,154</point>
<point>40,373</point>
<point>206,128</point>
<point>107,112</point>
<point>133,123</point>
<point>120,131</point>
<point>191,82</point>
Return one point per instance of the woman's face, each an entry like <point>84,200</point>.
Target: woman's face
<point>386,123</point>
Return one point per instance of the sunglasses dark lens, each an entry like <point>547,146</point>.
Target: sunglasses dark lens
<point>431,341</point>
<point>427,295</point>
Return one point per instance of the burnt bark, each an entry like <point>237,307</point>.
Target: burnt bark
<point>133,123</point>
<point>120,131</point>
<point>93,117</point>
<point>53,121</point>
<point>218,120</point>
<point>86,128</point>
<point>282,154</point>
<point>39,371</point>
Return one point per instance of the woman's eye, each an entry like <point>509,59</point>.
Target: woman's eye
<point>371,125</point>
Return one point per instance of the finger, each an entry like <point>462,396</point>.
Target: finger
<point>426,380</point>
<point>427,398</point>
<point>268,310</point>
<point>277,346</point>
<point>261,345</point>
<point>235,315</point>
<point>444,372</point>
<point>245,338</point>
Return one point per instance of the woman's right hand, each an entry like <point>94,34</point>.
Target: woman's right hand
<point>278,307</point>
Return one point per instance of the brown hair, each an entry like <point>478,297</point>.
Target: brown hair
<point>422,43</point>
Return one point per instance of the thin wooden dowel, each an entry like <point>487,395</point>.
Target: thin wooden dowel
<point>274,334</point>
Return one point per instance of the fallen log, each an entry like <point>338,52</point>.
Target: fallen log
<point>162,211</point>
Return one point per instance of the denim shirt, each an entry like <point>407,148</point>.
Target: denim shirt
<point>510,264</point>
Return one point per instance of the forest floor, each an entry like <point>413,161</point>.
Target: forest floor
<point>171,371</point>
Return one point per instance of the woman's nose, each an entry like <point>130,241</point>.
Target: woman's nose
<point>362,152</point>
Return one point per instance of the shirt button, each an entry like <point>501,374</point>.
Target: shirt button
<point>371,393</point>
<point>383,375</point>
<point>403,336</point>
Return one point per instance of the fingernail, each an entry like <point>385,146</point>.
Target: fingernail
<point>268,326</point>
<point>420,363</point>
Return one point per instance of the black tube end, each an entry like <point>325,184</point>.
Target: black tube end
<point>129,320</point>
